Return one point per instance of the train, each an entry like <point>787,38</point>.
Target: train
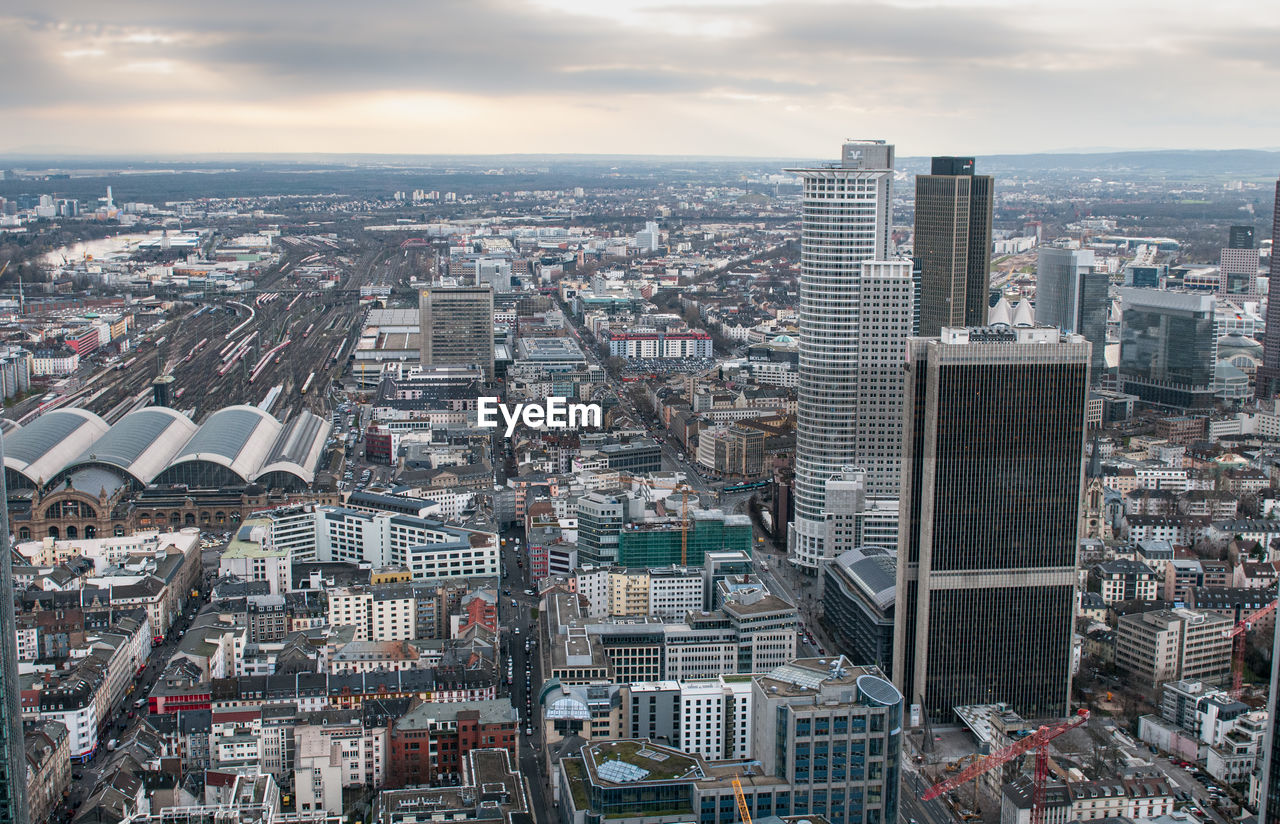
<point>307,384</point>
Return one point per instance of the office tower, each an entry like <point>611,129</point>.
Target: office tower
<point>457,326</point>
<point>953,244</point>
<point>1269,806</point>
<point>833,732</point>
<point>600,520</point>
<point>13,769</point>
<point>1168,347</point>
<point>1240,237</point>
<point>1238,265</point>
<point>1269,371</point>
<point>855,315</point>
<point>1071,294</point>
<point>648,238</point>
<point>992,477</point>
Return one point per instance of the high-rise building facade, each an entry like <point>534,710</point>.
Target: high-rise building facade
<point>952,241</point>
<point>855,316</point>
<point>457,326</point>
<point>1168,347</point>
<point>1240,237</point>
<point>992,479</point>
<point>13,768</point>
<point>1072,294</point>
<point>1238,265</point>
<point>1269,808</point>
<point>1269,371</point>
<point>600,521</point>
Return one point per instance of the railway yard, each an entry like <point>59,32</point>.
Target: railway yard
<point>279,347</point>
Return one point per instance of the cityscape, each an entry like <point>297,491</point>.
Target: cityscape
<point>591,476</point>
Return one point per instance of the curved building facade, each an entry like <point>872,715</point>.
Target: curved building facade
<point>130,453</point>
<point>73,449</point>
<point>36,452</point>
<point>226,451</point>
<point>848,414</point>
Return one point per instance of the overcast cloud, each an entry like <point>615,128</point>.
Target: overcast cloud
<point>779,79</point>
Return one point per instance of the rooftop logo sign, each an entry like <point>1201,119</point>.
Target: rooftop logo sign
<point>554,413</point>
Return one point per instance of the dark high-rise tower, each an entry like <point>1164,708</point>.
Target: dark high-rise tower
<point>1269,371</point>
<point>993,468</point>
<point>1269,808</point>
<point>1240,237</point>
<point>13,767</point>
<point>953,244</point>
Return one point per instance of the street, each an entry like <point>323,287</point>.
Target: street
<point>518,627</point>
<point>911,787</point>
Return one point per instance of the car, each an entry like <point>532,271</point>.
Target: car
<point>517,630</point>
<point>513,603</point>
<point>528,730</point>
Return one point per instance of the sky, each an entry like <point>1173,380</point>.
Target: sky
<point>752,78</point>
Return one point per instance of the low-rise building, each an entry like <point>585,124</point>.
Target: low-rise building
<point>428,744</point>
<point>48,756</point>
<point>858,595</point>
<point>1126,580</point>
<point>1121,798</point>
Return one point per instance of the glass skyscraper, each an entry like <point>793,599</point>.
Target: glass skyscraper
<point>1168,347</point>
<point>1073,295</point>
<point>1269,371</point>
<point>990,514</point>
<point>13,781</point>
<point>1269,808</point>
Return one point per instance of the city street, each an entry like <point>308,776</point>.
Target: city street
<point>911,808</point>
<point>517,626</point>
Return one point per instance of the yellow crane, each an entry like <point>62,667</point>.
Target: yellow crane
<point>684,490</point>
<point>743,813</point>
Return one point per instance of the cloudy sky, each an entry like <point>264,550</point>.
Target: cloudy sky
<point>785,78</point>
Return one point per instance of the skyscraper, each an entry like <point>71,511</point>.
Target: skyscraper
<point>953,244</point>
<point>1240,237</point>
<point>1238,265</point>
<point>855,316</point>
<point>1269,371</point>
<point>1168,347</point>
<point>1072,294</point>
<point>13,769</point>
<point>990,516</point>
<point>1269,807</point>
<point>456,326</point>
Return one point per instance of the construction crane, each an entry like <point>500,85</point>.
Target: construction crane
<point>1237,635</point>
<point>744,815</point>
<point>1038,741</point>
<point>684,490</point>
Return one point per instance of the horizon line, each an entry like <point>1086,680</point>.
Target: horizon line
<point>197,156</point>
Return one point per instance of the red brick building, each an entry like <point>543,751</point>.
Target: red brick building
<point>430,741</point>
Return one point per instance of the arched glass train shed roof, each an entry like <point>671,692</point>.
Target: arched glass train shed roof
<point>34,453</point>
<point>156,445</point>
<point>139,445</point>
<point>296,452</point>
<point>231,444</point>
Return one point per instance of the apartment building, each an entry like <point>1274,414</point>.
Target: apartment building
<point>385,613</point>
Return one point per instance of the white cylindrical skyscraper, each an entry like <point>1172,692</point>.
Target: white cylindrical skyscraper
<point>846,346</point>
